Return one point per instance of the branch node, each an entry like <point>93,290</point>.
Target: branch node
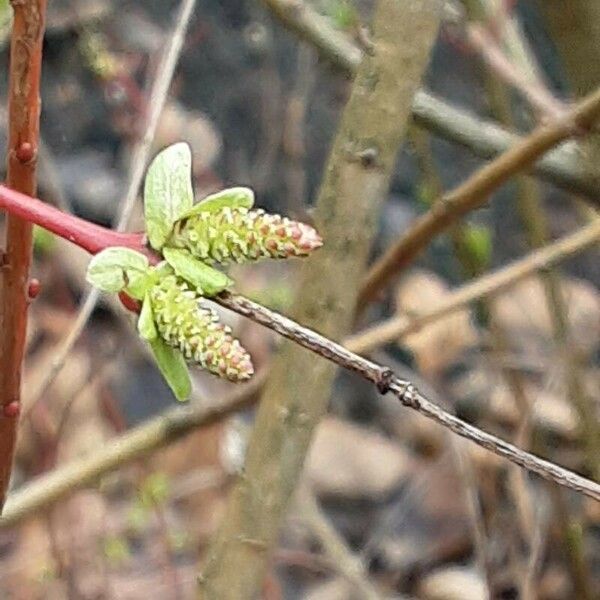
<point>33,288</point>
<point>408,394</point>
<point>26,153</point>
<point>12,409</point>
<point>384,380</point>
<point>368,157</point>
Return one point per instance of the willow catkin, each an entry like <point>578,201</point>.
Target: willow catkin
<point>185,323</point>
<point>242,235</point>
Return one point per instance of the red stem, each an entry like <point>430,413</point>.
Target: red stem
<point>23,140</point>
<point>89,236</point>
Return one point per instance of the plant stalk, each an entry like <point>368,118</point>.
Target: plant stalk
<point>23,143</point>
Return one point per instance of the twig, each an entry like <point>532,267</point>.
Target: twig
<point>355,183</point>
<point>536,552</point>
<point>299,17</point>
<point>141,154</point>
<point>157,432</point>
<point>537,230</point>
<point>293,143</point>
<point>386,381</point>
<point>333,544</point>
<point>570,531</point>
<point>486,285</point>
<point>465,470</point>
<point>538,96</point>
<point>562,166</point>
<point>475,191</point>
<point>503,22</point>
<point>23,141</point>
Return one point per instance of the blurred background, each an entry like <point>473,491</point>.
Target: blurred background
<point>421,514</point>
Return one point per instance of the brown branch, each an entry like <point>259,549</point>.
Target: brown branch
<point>486,285</point>
<point>354,186</point>
<point>537,95</point>
<point>23,141</point>
<point>475,191</point>
<point>408,395</point>
<point>562,166</point>
<point>303,20</point>
<point>139,441</point>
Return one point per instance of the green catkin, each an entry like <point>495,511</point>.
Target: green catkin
<point>194,329</point>
<point>242,235</point>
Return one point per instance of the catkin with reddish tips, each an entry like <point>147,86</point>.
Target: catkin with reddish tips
<point>184,323</point>
<point>241,235</point>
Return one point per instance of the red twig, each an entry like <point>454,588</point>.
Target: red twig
<point>23,141</point>
<point>86,235</point>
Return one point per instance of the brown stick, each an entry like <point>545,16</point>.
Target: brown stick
<point>355,183</point>
<point>487,285</point>
<point>538,96</point>
<point>409,396</point>
<point>475,191</point>
<point>140,441</point>
<point>23,141</point>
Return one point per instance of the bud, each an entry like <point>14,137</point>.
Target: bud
<point>195,330</point>
<point>240,235</point>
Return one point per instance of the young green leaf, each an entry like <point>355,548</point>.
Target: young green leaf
<point>115,269</point>
<point>205,279</point>
<point>478,242</point>
<point>236,197</point>
<point>146,325</point>
<point>173,368</point>
<point>168,192</point>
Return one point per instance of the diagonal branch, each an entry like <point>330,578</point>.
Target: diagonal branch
<point>407,394</point>
<point>334,546</point>
<point>140,441</point>
<point>475,191</point>
<point>23,143</point>
<point>561,166</point>
<point>538,96</point>
<point>484,286</point>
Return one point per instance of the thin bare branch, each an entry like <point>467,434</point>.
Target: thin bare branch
<point>408,395</point>
<point>486,285</point>
<point>475,191</point>
<point>539,97</point>
<point>138,442</point>
<point>561,166</point>
<point>349,565</point>
<point>141,155</point>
